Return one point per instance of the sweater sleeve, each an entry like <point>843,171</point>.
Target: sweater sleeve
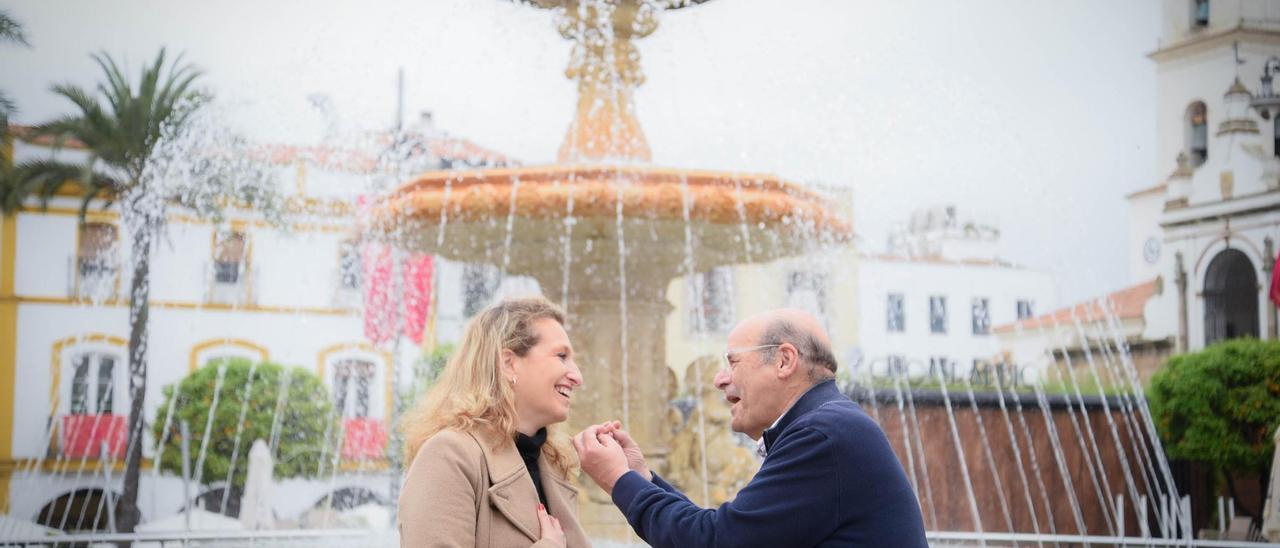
<point>791,501</point>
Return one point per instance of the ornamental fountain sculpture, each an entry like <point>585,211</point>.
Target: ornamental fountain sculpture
<point>604,232</point>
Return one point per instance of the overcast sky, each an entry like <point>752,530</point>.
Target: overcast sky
<point>1038,114</point>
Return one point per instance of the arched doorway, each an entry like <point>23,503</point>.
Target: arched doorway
<point>1230,298</point>
<point>80,510</point>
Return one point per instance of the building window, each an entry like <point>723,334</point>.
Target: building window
<point>1199,13</point>
<point>350,268</point>
<point>807,291</point>
<point>1024,309</point>
<point>1198,133</point>
<point>96,263</point>
<point>895,316</point>
<point>479,283</point>
<point>937,314</point>
<point>711,294</point>
<point>229,258</point>
<point>897,366</point>
<point>1275,137</point>
<point>92,389</point>
<point>981,317</point>
<point>940,366</point>
<point>351,384</point>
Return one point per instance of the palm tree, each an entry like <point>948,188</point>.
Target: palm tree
<point>126,137</point>
<point>10,31</point>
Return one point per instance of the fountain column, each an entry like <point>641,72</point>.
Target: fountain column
<point>636,373</point>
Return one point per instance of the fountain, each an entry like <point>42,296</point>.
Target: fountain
<point>604,232</point>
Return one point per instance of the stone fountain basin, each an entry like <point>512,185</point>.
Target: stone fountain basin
<point>517,217</point>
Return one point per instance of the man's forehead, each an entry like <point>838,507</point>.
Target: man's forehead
<point>747,332</point>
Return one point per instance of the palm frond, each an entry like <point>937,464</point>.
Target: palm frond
<point>11,30</point>
<point>41,178</point>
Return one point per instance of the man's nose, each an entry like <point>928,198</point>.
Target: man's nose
<point>722,378</point>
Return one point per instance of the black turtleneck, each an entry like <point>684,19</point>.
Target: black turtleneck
<point>530,448</point>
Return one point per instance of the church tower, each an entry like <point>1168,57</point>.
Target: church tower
<point>1208,229</point>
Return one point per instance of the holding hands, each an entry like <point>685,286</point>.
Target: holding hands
<point>606,452</point>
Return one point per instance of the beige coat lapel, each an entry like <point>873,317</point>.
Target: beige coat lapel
<point>512,491</point>
<point>562,497</point>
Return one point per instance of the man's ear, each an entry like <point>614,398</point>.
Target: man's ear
<point>790,361</point>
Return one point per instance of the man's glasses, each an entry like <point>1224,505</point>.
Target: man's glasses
<point>727,364</point>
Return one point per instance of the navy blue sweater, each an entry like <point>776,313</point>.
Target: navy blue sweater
<point>830,479</point>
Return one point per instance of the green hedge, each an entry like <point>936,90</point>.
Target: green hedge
<point>306,414</point>
<point>1220,406</point>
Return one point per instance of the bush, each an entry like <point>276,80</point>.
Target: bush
<point>1221,405</point>
<point>302,426</point>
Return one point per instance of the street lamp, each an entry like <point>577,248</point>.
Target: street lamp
<point>1266,100</point>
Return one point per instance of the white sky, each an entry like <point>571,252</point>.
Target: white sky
<point>1036,113</point>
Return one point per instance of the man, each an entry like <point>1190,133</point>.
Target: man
<point>829,477</point>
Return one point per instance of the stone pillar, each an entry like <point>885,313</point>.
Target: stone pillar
<point>1180,279</point>
<point>1268,265</point>
<point>622,355</point>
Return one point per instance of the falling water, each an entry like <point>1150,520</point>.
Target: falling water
<point>964,465</point>
<point>158,450</point>
<point>511,219</point>
<point>919,444</point>
<point>742,219</point>
<point>1088,442</point>
<point>1135,386</point>
<point>701,327</point>
<point>1149,478</point>
<point>567,239</point>
<point>1106,410</point>
<point>1022,471</point>
<point>444,212</point>
<point>991,460</point>
<point>208,425</point>
<point>282,399</point>
<point>1060,458</point>
<point>235,447</point>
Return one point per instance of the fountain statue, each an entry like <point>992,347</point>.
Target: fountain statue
<point>604,232</point>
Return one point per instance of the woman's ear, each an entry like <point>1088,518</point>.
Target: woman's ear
<point>508,365</point>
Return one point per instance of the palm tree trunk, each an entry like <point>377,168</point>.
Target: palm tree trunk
<point>139,308</point>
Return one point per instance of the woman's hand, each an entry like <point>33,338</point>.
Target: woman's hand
<point>551,530</point>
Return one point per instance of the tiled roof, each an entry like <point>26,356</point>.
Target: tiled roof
<point>1125,304</point>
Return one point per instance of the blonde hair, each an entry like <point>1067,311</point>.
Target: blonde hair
<point>471,392</point>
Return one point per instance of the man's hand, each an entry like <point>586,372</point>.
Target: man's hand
<point>601,457</point>
<point>635,457</point>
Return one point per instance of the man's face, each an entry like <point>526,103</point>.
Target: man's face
<point>750,384</point>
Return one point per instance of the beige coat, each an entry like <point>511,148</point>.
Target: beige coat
<point>461,491</point>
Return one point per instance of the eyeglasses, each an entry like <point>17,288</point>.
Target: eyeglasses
<point>735,351</point>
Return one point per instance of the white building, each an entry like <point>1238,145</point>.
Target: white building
<point>929,304</point>
<point>287,294</point>
<point>1201,242</point>
<point>1217,215</point>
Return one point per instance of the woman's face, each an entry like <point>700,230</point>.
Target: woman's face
<point>545,378</point>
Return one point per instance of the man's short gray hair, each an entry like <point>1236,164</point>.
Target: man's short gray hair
<point>813,351</point>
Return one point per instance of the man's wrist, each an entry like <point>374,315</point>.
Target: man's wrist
<point>612,479</point>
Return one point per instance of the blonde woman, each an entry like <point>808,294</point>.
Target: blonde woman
<point>485,471</point>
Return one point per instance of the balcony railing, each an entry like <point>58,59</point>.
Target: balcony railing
<point>366,439</point>
<point>83,435</point>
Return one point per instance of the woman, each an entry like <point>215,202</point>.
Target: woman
<point>485,470</point>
